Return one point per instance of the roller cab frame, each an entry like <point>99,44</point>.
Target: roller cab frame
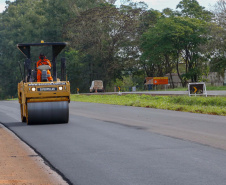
<point>43,102</point>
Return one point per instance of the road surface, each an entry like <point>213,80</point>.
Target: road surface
<point>109,144</point>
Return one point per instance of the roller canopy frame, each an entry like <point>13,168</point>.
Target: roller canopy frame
<point>57,47</point>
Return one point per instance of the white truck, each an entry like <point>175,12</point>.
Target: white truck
<point>96,86</point>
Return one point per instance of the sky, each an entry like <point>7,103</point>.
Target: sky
<point>154,4</point>
<point>162,4</point>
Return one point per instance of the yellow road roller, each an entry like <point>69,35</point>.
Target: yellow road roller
<point>43,101</point>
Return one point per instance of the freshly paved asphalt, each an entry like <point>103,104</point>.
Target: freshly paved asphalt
<point>116,145</point>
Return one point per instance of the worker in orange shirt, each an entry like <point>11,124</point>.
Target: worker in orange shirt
<point>43,61</point>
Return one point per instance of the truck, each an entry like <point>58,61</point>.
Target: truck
<point>96,86</point>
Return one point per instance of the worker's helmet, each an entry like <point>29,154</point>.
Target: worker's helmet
<point>42,56</point>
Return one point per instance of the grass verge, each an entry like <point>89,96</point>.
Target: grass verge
<point>208,88</point>
<point>204,105</point>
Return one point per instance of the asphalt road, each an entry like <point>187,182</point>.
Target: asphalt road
<point>115,145</point>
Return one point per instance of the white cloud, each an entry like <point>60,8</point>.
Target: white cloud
<point>2,7</point>
<point>153,2</point>
<point>161,4</point>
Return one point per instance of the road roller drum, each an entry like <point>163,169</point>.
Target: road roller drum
<point>48,112</point>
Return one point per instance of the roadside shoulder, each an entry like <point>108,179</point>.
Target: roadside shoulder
<point>22,165</point>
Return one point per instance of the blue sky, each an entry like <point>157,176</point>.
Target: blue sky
<point>155,4</point>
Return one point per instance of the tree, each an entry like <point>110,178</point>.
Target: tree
<point>106,38</point>
<point>158,49</point>
<point>192,9</point>
<point>26,21</point>
<point>217,46</point>
<point>174,40</point>
<point>14,27</point>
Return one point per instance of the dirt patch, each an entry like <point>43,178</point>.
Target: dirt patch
<point>20,165</point>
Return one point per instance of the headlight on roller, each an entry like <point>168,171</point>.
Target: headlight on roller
<point>60,88</point>
<point>33,88</point>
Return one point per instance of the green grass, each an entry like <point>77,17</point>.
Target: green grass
<point>12,99</point>
<point>177,89</point>
<point>205,105</point>
<point>215,88</point>
<point>208,88</point>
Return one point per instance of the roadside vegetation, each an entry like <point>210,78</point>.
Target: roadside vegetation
<point>215,88</point>
<point>208,88</point>
<point>121,45</point>
<point>204,105</point>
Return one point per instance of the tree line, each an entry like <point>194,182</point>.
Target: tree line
<point>114,44</point>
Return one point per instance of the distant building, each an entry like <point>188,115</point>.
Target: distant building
<point>213,79</point>
<point>176,80</point>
